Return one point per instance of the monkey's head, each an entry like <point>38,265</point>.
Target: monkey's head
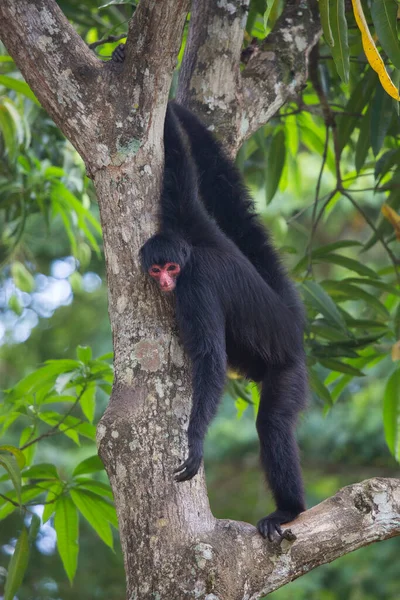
<point>163,257</point>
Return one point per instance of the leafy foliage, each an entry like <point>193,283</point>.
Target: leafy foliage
<point>57,399</point>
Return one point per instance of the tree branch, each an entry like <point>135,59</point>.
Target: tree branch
<point>210,83</point>
<point>58,66</point>
<point>248,567</point>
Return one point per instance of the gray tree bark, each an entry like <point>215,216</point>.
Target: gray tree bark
<point>113,114</point>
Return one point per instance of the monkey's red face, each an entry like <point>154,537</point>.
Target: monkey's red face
<point>165,275</point>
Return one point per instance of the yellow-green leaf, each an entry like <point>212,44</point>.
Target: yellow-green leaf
<point>340,50</point>
<point>17,566</point>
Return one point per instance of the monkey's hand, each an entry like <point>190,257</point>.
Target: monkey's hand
<point>270,526</point>
<point>190,467</point>
<point>118,54</point>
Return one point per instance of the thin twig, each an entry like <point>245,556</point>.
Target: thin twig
<point>107,40</point>
<point>11,501</point>
<point>56,428</point>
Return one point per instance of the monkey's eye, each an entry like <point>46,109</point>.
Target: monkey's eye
<point>155,270</point>
<point>172,268</point>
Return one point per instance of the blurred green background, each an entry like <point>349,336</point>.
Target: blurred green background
<point>340,250</point>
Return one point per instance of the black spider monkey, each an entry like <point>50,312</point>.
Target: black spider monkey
<point>234,303</point>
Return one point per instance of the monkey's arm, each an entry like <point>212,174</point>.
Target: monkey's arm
<point>202,326</point>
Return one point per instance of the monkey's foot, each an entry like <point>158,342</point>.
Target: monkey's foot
<point>118,54</point>
<point>270,526</point>
<point>188,469</point>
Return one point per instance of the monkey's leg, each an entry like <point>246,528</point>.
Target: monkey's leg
<point>283,396</point>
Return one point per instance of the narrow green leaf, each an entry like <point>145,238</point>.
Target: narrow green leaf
<point>325,22</point>
<point>391,414</point>
<point>348,263</point>
<point>66,524</point>
<point>323,303</point>
<point>363,142</point>
<point>89,465</point>
<point>34,527</point>
<point>360,97</point>
<point>340,386</point>
<point>319,388</point>
<point>340,50</point>
<point>328,248</point>
<point>9,463</point>
<point>381,116</point>
<point>353,292</point>
<point>28,433</point>
<point>384,18</point>
<point>341,367</point>
<point>18,86</point>
<point>376,283</point>
<point>17,566</point>
<point>54,491</point>
<point>276,162</point>
<point>89,505</point>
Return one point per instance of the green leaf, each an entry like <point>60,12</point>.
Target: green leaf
<point>323,303</point>
<point>27,434</point>
<point>341,367</point>
<point>319,388</point>
<point>19,456</point>
<point>363,142</point>
<point>9,463</point>
<point>17,566</point>
<point>276,162</point>
<point>66,524</point>
<point>88,402</point>
<point>7,129</point>
<point>84,354</point>
<point>391,414</point>
<point>328,248</point>
<point>90,506</point>
<point>376,283</point>
<point>18,86</point>
<point>348,263</point>
<point>325,22</point>
<point>28,493</point>
<point>89,465</point>
<point>270,4</point>
<point>384,18</point>
<point>340,50</point>
<point>22,278</point>
<point>41,471</point>
<point>381,116</point>
<point>388,160</point>
<point>359,98</point>
<point>353,292</point>
<point>97,487</point>
<point>15,305</point>
<point>54,491</point>
<point>34,527</point>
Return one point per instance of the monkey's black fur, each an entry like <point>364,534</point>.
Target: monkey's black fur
<point>234,303</point>
<point>229,309</point>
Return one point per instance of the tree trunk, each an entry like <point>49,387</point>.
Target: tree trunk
<point>113,114</point>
